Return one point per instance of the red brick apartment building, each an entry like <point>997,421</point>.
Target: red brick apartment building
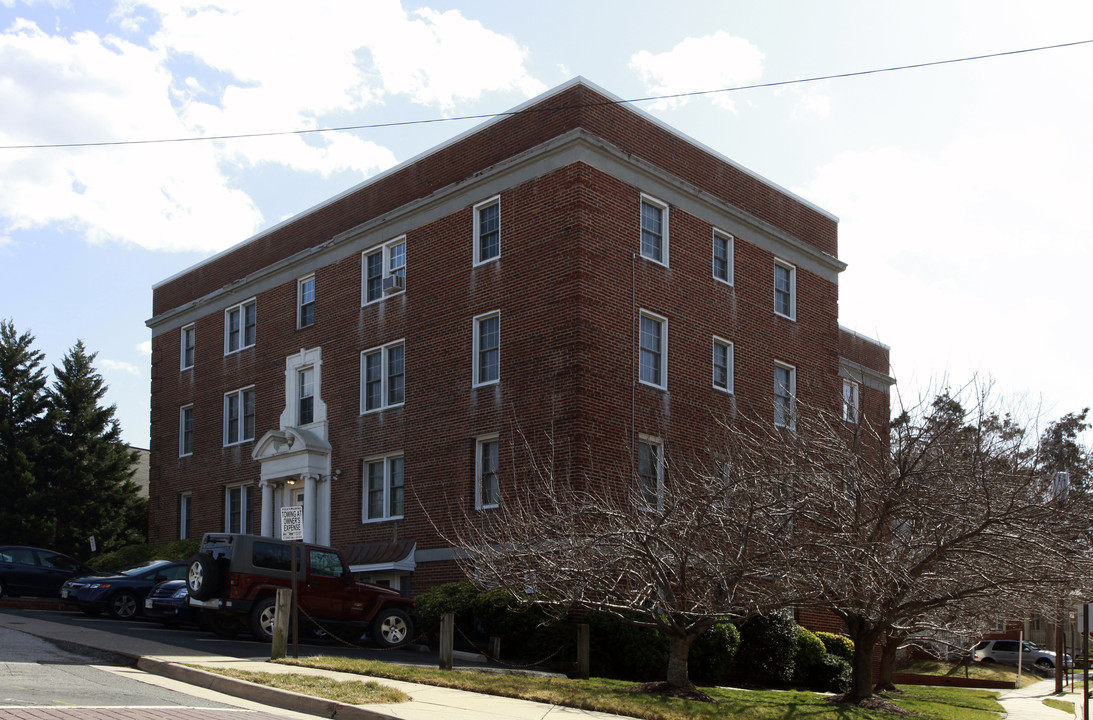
<point>573,279</point>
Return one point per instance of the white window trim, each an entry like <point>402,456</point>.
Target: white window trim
<point>244,510</point>
<point>664,244</point>
<point>240,393</point>
<point>731,362</point>
<point>658,443</point>
<point>478,443</point>
<point>476,350</point>
<point>300,300</point>
<point>192,327</point>
<point>495,200</point>
<point>855,401</point>
<point>182,430</point>
<point>185,501</point>
<point>240,307</point>
<point>792,289</point>
<point>383,351</point>
<point>385,262</point>
<point>386,460</point>
<point>663,382</point>
<point>730,250</point>
<point>299,393</point>
<point>792,421</point>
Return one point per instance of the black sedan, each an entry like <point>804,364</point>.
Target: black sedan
<point>35,571</point>
<point>122,593</point>
<point>168,603</point>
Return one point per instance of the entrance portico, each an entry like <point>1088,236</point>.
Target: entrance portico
<point>291,459</point>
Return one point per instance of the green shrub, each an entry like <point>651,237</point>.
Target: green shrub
<point>838,645</point>
<point>831,674</point>
<point>713,653</point>
<point>134,554</point>
<point>624,651</point>
<point>527,632</point>
<point>454,597</point>
<point>810,650</point>
<point>767,646</point>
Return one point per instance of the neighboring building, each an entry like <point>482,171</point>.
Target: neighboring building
<point>574,280</point>
<point>140,470</point>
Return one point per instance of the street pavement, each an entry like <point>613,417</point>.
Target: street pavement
<point>170,665</point>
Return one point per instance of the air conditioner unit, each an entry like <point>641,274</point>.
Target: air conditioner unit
<point>393,284</point>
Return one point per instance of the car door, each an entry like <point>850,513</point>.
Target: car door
<point>326,591</point>
<point>54,570</point>
<point>1005,651</point>
<point>20,567</point>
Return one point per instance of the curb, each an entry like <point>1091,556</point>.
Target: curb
<point>258,693</point>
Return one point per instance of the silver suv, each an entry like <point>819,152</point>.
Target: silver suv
<point>1006,652</point>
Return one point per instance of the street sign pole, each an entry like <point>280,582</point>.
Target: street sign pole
<point>292,528</point>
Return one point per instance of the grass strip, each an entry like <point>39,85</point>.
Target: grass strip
<point>351,692</point>
<point>1064,705</point>
<point>616,696</point>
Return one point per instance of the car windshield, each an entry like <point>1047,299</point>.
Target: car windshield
<point>142,567</point>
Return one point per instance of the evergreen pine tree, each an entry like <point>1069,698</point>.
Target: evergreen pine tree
<point>23,429</point>
<point>91,491</point>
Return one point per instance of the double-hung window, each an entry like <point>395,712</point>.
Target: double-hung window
<point>305,302</point>
<point>305,396</point>
<point>722,257</point>
<point>189,339</point>
<point>654,230</point>
<point>383,377</point>
<point>785,390</point>
<point>186,431</point>
<point>383,488</point>
<point>240,322</point>
<point>785,290</point>
<point>239,416</point>
<point>650,473</point>
<point>653,350</point>
<point>237,509</point>
<point>384,270</point>
<point>487,349</point>
<point>850,401</point>
<point>487,230</point>
<point>487,492</point>
<point>722,365</point>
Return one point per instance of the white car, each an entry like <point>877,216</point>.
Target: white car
<point>1006,652</point>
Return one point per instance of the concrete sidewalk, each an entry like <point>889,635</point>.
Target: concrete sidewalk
<point>427,702</point>
<point>1027,703</point>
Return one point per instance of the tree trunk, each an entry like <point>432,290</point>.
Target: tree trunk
<point>864,634</point>
<point>888,661</point>
<point>679,650</point>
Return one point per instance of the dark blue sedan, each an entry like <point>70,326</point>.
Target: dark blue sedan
<point>168,603</point>
<point>35,571</point>
<point>122,593</point>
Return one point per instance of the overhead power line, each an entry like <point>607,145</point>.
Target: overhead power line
<point>484,116</point>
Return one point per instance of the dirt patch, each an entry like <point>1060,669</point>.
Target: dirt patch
<point>875,702</point>
<point>663,688</point>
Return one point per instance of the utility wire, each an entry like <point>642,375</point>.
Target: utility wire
<point>484,116</point>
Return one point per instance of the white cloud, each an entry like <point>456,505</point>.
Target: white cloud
<point>707,63</point>
<point>968,260</point>
<point>217,67</point>
<point>118,366</point>
<point>145,348</point>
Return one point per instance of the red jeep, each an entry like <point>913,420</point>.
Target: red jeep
<point>234,579</point>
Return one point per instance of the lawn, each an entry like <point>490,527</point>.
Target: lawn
<point>614,696</point>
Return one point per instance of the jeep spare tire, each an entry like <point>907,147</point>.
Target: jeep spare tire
<point>391,628</point>
<point>201,577</point>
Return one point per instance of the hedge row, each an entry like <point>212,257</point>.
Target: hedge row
<point>765,650</point>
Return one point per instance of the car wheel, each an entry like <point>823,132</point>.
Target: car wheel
<point>987,660</point>
<point>391,628</point>
<point>201,577</point>
<point>261,619</point>
<point>222,624</point>
<point>1045,664</point>
<point>3,589</point>
<point>123,605</point>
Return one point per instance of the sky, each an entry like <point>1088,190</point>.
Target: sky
<point>964,190</point>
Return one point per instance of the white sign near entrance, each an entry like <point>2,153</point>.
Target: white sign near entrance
<point>292,523</point>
